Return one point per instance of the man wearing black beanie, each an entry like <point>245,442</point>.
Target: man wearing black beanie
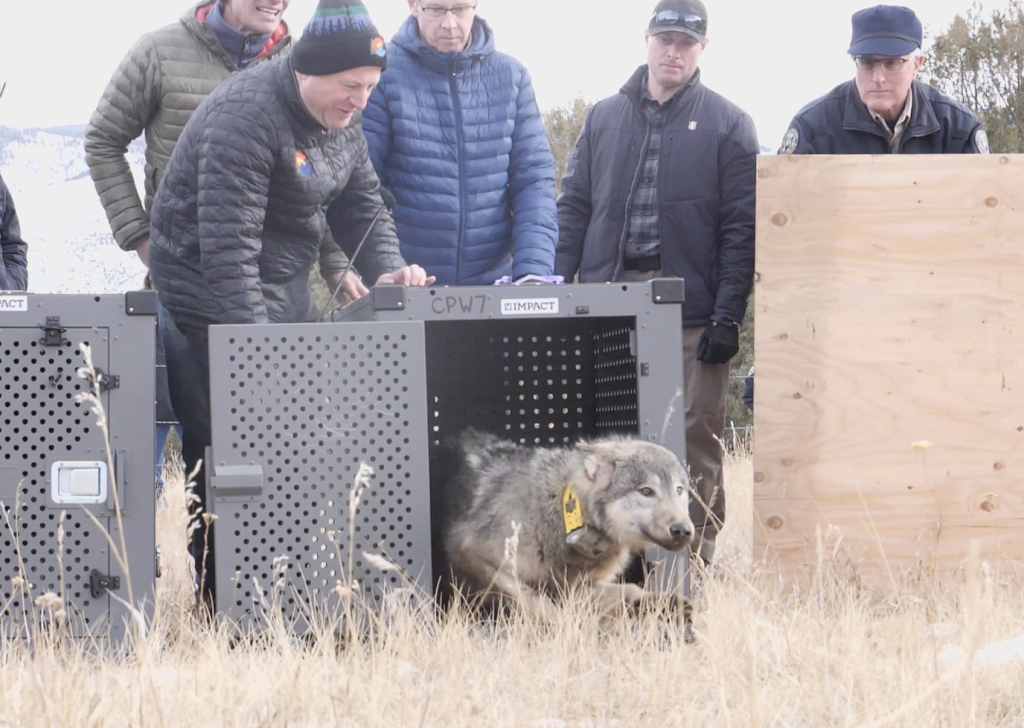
<point>266,162</point>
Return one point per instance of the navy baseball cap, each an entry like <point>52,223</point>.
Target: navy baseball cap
<point>885,30</point>
<point>680,16</point>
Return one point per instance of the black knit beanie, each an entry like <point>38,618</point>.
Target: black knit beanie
<point>338,37</point>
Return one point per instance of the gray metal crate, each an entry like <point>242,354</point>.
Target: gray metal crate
<point>53,459</point>
<point>297,407</point>
<point>548,365</point>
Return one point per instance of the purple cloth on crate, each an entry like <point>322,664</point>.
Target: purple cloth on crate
<point>530,279</point>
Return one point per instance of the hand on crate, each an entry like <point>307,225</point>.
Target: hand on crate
<point>410,275</point>
<point>352,287</point>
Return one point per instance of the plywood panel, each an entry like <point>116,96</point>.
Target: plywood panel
<point>890,311</point>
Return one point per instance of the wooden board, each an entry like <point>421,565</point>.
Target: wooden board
<point>889,311</point>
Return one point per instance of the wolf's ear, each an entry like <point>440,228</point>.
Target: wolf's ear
<point>598,467</point>
<point>598,456</point>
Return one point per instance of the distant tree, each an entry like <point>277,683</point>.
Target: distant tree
<point>737,416</point>
<point>564,125</point>
<point>980,62</point>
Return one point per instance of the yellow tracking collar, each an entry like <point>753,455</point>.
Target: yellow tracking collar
<point>572,510</point>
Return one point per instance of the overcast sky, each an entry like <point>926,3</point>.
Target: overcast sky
<point>770,58</point>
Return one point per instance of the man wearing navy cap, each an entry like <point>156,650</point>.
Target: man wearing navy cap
<point>884,109</point>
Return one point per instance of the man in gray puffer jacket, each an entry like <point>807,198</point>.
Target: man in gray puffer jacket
<point>265,164</point>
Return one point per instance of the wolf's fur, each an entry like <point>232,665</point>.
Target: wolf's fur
<point>633,494</point>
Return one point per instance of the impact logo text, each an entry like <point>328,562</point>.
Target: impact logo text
<point>13,303</point>
<point>528,306</point>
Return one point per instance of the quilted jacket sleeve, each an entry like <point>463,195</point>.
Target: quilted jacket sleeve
<point>13,250</point>
<point>122,115</point>
<point>574,206</point>
<point>532,189</point>
<point>234,179</point>
<point>352,213</point>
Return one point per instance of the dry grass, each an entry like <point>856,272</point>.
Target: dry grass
<point>833,655</point>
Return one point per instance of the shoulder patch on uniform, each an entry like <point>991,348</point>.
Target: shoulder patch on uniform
<point>981,142</point>
<point>790,141</point>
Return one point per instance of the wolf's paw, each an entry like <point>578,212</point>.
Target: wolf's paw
<point>664,606</point>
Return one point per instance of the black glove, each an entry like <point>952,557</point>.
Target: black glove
<point>719,343</point>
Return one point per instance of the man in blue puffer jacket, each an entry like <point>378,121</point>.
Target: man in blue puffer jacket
<point>455,134</point>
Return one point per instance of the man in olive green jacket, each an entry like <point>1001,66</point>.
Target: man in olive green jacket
<point>164,76</point>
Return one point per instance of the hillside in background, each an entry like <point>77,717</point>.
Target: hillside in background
<point>70,248</point>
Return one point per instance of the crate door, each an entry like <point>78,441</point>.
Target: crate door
<point>55,546</point>
<point>295,410</point>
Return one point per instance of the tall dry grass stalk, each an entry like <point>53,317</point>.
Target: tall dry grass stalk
<point>835,654</point>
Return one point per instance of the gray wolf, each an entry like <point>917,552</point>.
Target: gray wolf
<point>575,514</point>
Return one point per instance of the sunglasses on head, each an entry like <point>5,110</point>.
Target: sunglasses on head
<point>671,18</point>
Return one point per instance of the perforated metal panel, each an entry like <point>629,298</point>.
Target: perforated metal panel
<point>41,423</point>
<point>539,382</point>
<point>302,406</point>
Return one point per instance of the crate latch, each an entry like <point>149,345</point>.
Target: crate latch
<point>100,583</point>
<point>53,333</point>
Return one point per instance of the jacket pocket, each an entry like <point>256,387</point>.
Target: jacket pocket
<point>688,170</point>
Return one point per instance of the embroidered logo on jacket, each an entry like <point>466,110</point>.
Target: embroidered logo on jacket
<point>303,165</point>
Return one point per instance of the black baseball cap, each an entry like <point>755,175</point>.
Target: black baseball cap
<point>680,16</point>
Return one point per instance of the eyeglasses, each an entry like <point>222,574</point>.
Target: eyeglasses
<point>670,18</point>
<point>889,65</point>
<point>437,13</point>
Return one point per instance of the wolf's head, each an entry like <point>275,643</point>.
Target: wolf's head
<point>637,493</point>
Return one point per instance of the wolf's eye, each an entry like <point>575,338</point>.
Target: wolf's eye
<point>646,492</point>
<point>679,490</point>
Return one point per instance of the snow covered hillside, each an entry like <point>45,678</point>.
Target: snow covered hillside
<point>70,248</point>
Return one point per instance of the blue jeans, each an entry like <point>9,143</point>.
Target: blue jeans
<point>188,382</point>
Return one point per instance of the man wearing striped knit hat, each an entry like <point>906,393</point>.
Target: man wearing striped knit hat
<point>265,163</point>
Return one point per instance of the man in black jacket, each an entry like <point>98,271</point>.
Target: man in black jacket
<point>661,183</point>
<point>13,250</point>
<point>268,161</point>
<point>885,109</point>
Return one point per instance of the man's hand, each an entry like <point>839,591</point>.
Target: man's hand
<point>411,275</point>
<point>352,287</point>
<point>719,343</point>
<point>351,290</point>
<point>142,249</point>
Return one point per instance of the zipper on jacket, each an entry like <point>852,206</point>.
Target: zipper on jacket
<point>629,200</point>
<point>335,177</point>
<point>453,83</point>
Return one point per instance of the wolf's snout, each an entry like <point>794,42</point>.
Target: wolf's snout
<point>681,532</point>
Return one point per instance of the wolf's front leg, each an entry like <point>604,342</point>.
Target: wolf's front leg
<point>615,600</point>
